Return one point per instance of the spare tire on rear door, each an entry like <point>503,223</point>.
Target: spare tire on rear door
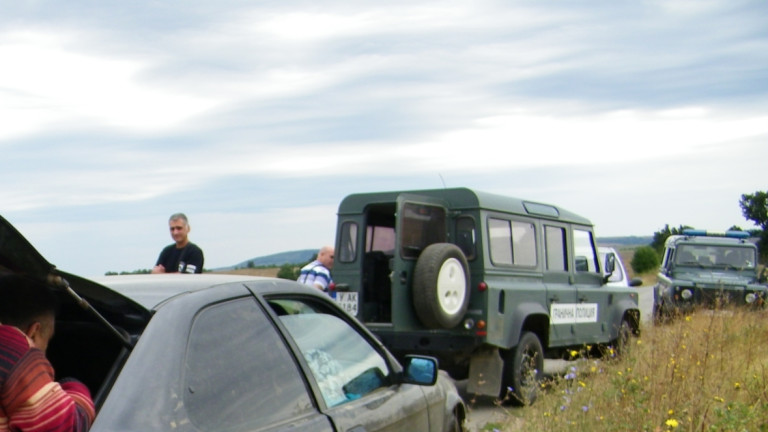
<point>441,286</point>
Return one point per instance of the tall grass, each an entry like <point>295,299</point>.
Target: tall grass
<point>707,371</point>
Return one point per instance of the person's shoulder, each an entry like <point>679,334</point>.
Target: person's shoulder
<point>11,338</point>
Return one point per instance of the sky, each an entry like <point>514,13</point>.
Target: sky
<point>255,118</point>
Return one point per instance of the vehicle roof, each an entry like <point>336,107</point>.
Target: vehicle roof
<point>150,290</point>
<point>674,240</point>
<point>463,199</point>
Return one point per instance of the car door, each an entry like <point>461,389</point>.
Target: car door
<point>351,376</point>
<point>561,293</point>
<point>591,320</point>
<point>212,360</point>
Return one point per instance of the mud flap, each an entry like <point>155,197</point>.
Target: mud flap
<point>485,369</point>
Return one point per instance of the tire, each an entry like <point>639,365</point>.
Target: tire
<point>623,339</point>
<point>523,370</point>
<point>441,286</point>
<point>456,423</point>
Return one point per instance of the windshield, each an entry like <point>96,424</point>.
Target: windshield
<point>720,256</point>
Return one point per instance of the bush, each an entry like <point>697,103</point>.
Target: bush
<point>288,271</point>
<point>645,260</point>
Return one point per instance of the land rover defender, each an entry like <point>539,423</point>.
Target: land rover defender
<point>488,284</point>
<point>705,269</point>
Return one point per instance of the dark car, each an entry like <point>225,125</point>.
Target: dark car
<point>216,352</point>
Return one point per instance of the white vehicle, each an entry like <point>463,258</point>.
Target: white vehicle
<point>619,276</point>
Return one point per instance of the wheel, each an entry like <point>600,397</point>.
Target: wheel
<point>441,286</point>
<point>622,343</point>
<point>456,422</point>
<point>523,369</point>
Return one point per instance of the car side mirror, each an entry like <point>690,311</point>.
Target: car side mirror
<point>635,282</point>
<point>420,370</point>
<point>610,264</point>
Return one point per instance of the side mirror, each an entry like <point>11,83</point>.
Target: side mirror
<point>610,264</point>
<point>420,370</point>
<point>635,282</point>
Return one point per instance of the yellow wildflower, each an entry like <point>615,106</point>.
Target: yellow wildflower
<point>672,423</point>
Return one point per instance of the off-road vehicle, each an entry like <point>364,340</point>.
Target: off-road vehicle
<point>488,284</point>
<point>701,269</point>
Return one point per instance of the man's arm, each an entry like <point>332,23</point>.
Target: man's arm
<point>33,401</point>
<point>194,260</point>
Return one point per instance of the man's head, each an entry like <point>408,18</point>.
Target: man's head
<point>28,305</point>
<point>179,226</point>
<point>326,256</point>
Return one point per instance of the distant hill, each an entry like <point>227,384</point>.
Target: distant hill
<point>275,260</point>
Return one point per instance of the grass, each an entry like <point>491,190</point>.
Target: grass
<point>707,371</point>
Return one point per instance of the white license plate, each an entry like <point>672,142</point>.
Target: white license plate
<point>347,301</point>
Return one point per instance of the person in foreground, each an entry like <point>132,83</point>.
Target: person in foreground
<point>318,272</point>
<point>183,256</point>
<point>30,399</point>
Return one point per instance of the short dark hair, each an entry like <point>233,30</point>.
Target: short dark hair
<point>24,300</point>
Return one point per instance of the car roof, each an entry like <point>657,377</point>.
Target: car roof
<point>463,198</point>
<point>150,290</point>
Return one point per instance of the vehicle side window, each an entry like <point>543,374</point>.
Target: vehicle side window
<point>240,375</point>
<point>466,237</point>
<point>343,363</point>
<point>348,243</point>
<point>524,243</point>
<point>500,235</point>
<point>380,238</point>
<point>585,255</point>
<point>555,248</point>
<point>512,242</point>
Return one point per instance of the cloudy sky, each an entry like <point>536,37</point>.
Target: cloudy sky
<point>257,117</point>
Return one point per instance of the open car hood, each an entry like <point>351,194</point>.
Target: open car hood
<point>18,256</point>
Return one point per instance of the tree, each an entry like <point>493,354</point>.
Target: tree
<point>754,207</point>
<point>659,237</point>
<point>288,271</point>
<point>644,260</point>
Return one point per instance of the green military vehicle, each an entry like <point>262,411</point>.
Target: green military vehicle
<point>701,269</point>
<point>490,285</point>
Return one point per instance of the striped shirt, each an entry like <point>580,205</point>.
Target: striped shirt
<point>315,274</point>
<point>30,400</point>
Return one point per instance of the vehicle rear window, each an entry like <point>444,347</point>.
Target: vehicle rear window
<point>421,226</point>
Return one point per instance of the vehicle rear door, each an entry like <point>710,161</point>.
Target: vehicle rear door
<point>421,221</point>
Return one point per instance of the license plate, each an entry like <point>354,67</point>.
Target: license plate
<point>347,301</point>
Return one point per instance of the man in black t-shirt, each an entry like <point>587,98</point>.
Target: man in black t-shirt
<point>182,256</point>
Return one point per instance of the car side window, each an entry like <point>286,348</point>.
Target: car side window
<point>555,248</point>
<point>344,364</point>
<point>240,374</point>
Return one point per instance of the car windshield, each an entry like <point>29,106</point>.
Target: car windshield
<point>716,256</point>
